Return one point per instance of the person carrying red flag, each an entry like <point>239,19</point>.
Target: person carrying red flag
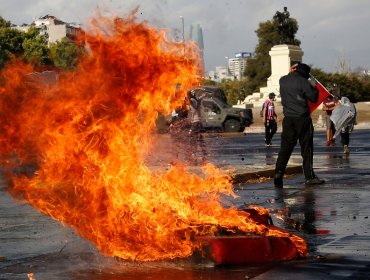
<point>296,90</point>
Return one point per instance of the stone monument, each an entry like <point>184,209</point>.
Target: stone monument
<point>282,58</point>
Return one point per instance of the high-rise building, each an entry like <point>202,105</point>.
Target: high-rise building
<point>196,35</point>
<point>237,64</point>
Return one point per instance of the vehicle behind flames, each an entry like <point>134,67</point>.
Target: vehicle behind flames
<point>215,113</point>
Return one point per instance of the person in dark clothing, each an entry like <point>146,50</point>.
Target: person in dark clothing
<point>295,90</point>
<point>269,118</point>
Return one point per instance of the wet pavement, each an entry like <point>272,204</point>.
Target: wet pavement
<point>332,218</point>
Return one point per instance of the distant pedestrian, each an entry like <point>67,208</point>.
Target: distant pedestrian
<point>295,90</point>
<point>195,131</point>
<point>344,119</point>
<point>328,106</point>
<point>269,118</point>
<point>179,128</point>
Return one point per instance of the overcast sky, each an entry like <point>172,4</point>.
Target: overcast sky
<point>329,30</point>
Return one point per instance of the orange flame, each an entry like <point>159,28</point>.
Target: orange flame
<point>89,135</point>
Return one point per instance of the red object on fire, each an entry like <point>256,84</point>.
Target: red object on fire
<point>253,249</point>
<point>323,93</point>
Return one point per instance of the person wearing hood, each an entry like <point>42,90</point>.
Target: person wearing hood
<point>296,89</point>
<point>344,119</point>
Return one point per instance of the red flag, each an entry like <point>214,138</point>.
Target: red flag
<point>323,93</point>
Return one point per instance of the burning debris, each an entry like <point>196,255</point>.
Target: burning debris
<point>88,135</point>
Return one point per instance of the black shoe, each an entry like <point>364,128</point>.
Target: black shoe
<point>314,181</point>
<point>278,179</point>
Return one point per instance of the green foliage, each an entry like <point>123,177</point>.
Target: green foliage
<point>235,90</point>
<point>208,82</point>
<point>66,54</point>
<point>4,23</point>
<point>10,42</point>
<point>35,48</point>
<point>365,81</point>
<point>356,88</point>
<point>28,45</point>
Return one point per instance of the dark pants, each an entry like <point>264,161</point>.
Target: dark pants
<point>296,128</point>
<point>344,134</point>
<point>270,130</point>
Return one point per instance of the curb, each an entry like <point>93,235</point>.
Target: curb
<point>244,177</point>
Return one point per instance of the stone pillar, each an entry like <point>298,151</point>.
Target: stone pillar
<point>282,57</point>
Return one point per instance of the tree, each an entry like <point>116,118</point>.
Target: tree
<point>269,34</point>
<point>10,41</point>
<point>29,45</point>
<point>234,90</point>
<point>4,23</point>
<point>66,54</point>
<point>343,66</point>
<point>35,48</point>
<point>355,87</point>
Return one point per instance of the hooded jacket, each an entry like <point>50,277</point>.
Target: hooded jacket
<point>296,90</point>
<point>344,116</point>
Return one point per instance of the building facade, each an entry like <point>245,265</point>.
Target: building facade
<point>238,64</point>
<point>55,30</point>
<point>234,70</point>
<point>219,74</point>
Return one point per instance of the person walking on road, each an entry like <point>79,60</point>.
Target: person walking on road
<point>328,106</point>
<point>344,119</point>
<point>295,90</point>
<point>269,118</point>
<point>195,131</point>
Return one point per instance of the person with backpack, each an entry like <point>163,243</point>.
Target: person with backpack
<point>269,118</point>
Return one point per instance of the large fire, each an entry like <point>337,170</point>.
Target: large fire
<point>89,134</point>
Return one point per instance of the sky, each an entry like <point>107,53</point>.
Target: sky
<point>330,31</point>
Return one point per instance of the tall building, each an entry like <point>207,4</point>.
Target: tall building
<point>196,35</point>
<point>236,65</point>
<point>219,74</point>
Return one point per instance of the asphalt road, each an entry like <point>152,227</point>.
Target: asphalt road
<point>333,219</point>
